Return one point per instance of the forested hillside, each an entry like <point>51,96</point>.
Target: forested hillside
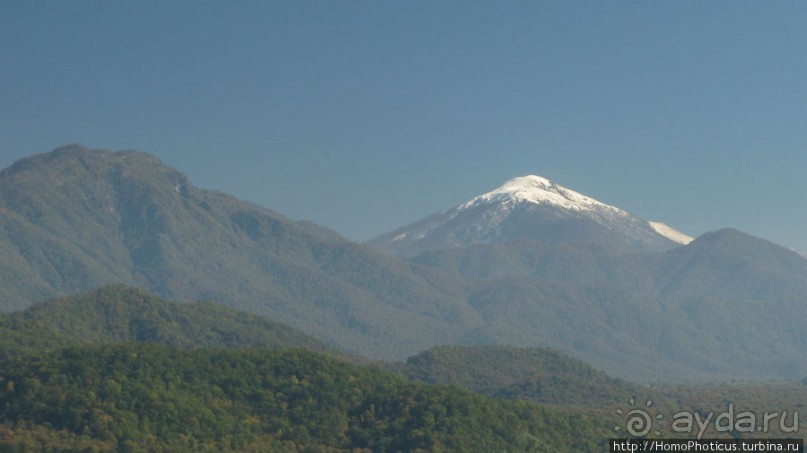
<point>76,218</point>
<point>117,313</point>
<point>119,369</point>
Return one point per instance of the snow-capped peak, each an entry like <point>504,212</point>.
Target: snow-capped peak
<point>526,207</point>
<point>671,233</point>
<point>539,190</point>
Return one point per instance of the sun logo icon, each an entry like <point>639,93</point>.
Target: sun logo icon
<point>638,422</point>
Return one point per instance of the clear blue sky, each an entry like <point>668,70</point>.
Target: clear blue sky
<point>366,115</point>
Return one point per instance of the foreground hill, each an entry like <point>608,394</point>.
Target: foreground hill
<point>561,382</point>
<point>75,219</point>
<point>540,375</point>
<point>139,397</point>
<point>116,314</point>
<point>177,378</point>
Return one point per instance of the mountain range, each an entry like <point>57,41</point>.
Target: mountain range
<point>529,264</point>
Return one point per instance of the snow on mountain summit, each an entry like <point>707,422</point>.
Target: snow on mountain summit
<point>538,190</point>
<point>530,207</point>
<point>671,233</point>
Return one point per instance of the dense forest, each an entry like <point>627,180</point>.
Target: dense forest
<point>118,313</point>
<point>541,375</point>
<point>135,397</point>
<point>121,370</point>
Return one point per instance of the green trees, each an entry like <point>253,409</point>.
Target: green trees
<point>119,369</point>
<point>142,396</point>
<point>118,313</point>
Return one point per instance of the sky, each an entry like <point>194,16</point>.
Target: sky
<point>363,116</point>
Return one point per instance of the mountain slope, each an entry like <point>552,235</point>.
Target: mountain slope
<point>731,264</point>
<point>526,207</point>
<point>727,304</point>
<point>115,314</point>
<point>75,219</point>
<point>559,262</point>
<point>726,263</point>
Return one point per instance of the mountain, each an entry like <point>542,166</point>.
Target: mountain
<point>74,219</point>
<point>558,262</point>
<point>526,207</point>
<point>727,304</point>
<point>726,263</point>
<point>733,265</point>
<point>115,314</point>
